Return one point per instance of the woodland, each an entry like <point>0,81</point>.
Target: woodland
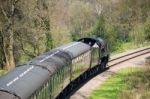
<point>31,27</point>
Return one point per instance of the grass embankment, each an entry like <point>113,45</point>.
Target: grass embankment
<point>130,83</point>
<point>128,46</point>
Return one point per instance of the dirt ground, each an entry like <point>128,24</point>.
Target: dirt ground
<point>85,91</point>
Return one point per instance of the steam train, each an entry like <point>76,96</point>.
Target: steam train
<point>47,75</point>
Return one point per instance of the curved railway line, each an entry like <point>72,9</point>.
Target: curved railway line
<point>122,58</point>
<point>115,60</point>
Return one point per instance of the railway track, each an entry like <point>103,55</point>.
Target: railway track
<point>113,62</point>
<point>122,58</point>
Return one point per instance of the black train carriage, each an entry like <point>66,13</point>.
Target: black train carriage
<point>45,76</point>
<point>99,51</point>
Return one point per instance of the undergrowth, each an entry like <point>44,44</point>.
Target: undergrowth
<point>130,83</point>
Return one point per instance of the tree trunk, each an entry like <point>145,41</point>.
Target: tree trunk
<point>7,32</point>
<point>8,41</point>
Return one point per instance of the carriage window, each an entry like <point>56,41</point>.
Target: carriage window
<point>81,64</point>
<point>95,55</point>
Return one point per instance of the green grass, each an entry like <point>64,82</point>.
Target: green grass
<point>112,88</point>
<point>128,46</point>
<point>138,86</point>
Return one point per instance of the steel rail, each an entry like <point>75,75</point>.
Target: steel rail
<point>128,56</point>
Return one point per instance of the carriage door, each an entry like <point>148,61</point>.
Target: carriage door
<point>95,59</point>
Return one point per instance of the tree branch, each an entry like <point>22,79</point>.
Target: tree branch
<point>13,6</point>
<point>4,13</point>
<point>25,51</point>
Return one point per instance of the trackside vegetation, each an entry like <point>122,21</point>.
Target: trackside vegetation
<point>128,46</point>
<point>129,83</point>
<point>31,27</point>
